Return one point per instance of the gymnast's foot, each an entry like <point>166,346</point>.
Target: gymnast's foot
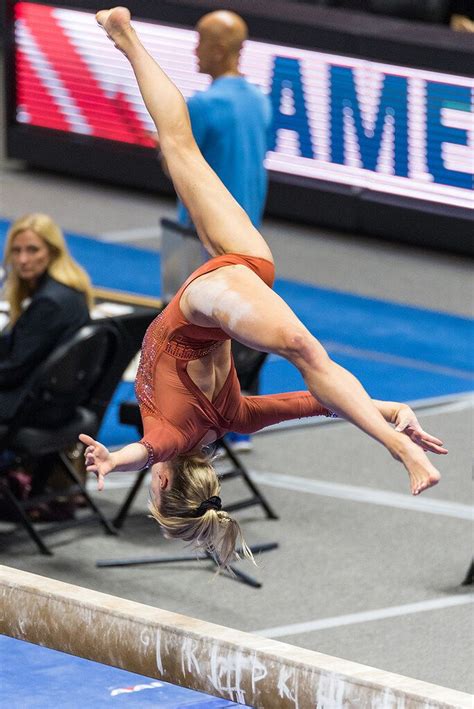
<point>116,23</point>
<point>421,472</point>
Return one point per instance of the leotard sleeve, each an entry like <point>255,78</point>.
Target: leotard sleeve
<point>256,412</point>
<point>163,442</point>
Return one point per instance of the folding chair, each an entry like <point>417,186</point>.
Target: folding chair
<point>66,398</point>
<point>248,363</point>
<point>130,414</point>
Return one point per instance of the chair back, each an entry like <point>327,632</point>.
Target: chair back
<point>68,377</point>
<point>248,364</point>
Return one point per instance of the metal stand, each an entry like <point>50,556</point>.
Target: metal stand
<point>256,498</point>
<point>122,514</point>
<point>239,470</point>
<point>107,525</point>
<point>198,556</point>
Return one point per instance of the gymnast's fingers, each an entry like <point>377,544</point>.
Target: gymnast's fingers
<point>433,446</point>
<point>431,443</point>
<point>428,437</point>
<point>87,440</point>
<point>427,442</point>
<point>92,468</point>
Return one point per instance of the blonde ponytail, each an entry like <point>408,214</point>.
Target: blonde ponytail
<point>194,481</point>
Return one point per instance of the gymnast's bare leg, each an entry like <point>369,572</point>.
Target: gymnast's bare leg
<point>234,298</point>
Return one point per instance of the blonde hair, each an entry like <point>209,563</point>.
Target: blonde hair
<point>193,481</point>
<point>62,267</point>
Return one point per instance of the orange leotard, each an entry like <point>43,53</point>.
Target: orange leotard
<point>176,414</point>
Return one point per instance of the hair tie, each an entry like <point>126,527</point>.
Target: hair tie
<point>212,503</point>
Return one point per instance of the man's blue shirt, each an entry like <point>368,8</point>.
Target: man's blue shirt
<point>231,123</point>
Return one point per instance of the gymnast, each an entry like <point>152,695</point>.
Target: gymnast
<point>186,384</point>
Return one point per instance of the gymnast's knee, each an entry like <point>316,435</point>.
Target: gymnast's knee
<point>178,142</point>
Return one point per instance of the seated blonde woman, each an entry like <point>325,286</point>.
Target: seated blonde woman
<point>186,386</point>
<point>49,297</point>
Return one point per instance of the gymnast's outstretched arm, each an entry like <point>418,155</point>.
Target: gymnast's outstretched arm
<point>221,223</point>
<point>161,441</point>
<point>255,413</point>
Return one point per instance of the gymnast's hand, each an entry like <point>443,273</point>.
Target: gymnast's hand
<point>406,422</point>
<point>98,459</point>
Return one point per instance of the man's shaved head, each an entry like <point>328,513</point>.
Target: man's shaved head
<point>221,36</point>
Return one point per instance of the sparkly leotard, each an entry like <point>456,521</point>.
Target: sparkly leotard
<point>176,413</point>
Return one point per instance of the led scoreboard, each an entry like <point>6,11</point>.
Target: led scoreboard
<point>360,124</point>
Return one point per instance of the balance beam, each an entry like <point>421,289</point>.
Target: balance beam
<point>237,666</point>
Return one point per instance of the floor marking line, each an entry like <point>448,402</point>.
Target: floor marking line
<point>397,360</point>
<point>423,408</point>
<point>123,481</point>
<point>365,616</point>
<point>354,493</point>
<point>131,234</point>
<point>364,494</point>
<point>448,408</point>
<point>442,399</point>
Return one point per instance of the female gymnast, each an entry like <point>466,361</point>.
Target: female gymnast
<point>186,384</point>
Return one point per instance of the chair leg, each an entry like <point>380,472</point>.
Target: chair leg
<point>25,520</point>
<point>119,519</point>
<point>233,572</point>
<point>239,469</point>
<point>469,579</point>
<point>108,526</point>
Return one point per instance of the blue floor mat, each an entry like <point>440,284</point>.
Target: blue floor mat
<point>39,678</point>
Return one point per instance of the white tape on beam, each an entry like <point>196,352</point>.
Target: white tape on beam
<point>227,663</point>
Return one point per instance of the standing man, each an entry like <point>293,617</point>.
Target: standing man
<point>231,120</point>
